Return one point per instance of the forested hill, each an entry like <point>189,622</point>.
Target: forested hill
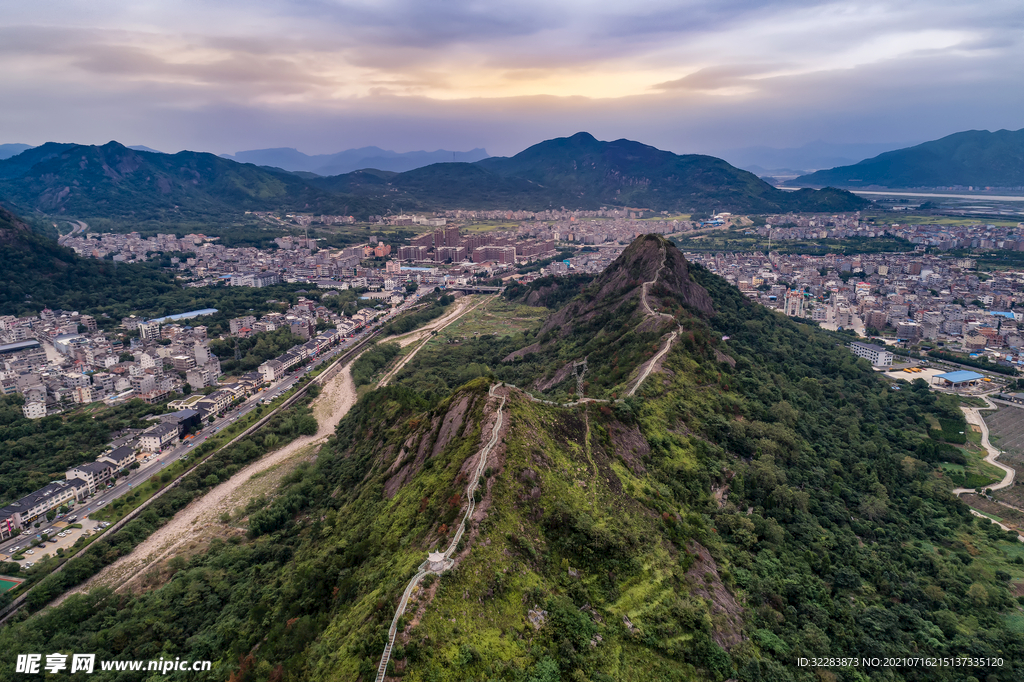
<point>976,158</point>
<point>114,185</point>
<point>581,171</point>
<point>35,272</point>
<point>112,182</point>
<point>764,498</point>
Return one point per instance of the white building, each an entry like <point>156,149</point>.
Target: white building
<point>34,410</point>
<point>876,355</point>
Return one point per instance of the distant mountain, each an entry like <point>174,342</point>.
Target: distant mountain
<point>127,187</point>
<point>116,183</point>
<point>975,157</point>
<point>9,150</point>
<point>351,160</point>
<point>583,172</point>
<point>144,148</point>
<point>809,157</point>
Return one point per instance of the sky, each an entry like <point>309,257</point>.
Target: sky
<point>684,75</point>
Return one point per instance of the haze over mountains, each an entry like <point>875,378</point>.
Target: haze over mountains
<point>977,158</point>
<point>352,159</point>
<point>809,157</point>
<point>114,183</point>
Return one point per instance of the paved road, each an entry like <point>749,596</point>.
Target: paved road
<point>163,460</point>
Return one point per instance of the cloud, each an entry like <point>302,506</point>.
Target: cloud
<point>682,74</point>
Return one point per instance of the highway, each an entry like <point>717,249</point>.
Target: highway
<point>158,462</point>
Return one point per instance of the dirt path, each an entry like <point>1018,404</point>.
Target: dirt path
<point>202,516</point>
<point>458,308</point>
<point>424,337</point>
<point>648,367</point>
<point>974,417</point>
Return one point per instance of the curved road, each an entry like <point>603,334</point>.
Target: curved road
<point>973,415</point>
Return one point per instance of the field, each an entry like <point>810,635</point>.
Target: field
<point>488,226</point>
<point>915,219</point>
<point>498,317</point>
<point>6,584</point>
<point>738,239</point>
<point>1006,432</point>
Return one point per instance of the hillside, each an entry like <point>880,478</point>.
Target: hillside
<point>122,187</point>
<point>977,158</point>
<point>35,272</point>
<point>580,171</point>
<point>763,498</point>
<point>114,183</point>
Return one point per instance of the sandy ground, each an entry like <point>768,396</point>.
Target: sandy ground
<point>202,516</point>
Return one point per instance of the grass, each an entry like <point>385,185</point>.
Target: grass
<point>497,317</point>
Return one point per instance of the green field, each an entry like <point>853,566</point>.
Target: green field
<point>498,317</point>
<point>8,584</point>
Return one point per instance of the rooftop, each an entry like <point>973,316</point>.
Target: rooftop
<point>960,376</point>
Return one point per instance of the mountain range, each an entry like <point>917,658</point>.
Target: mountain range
<point>350,160</point>
<point>583,172</point>
<point>114,183</point>
<point>978,158</point>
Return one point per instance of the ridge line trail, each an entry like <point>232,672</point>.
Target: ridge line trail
<point>426,334</point>
<point>424,568</point>
<point>647,367</point>
<point>335,400</point>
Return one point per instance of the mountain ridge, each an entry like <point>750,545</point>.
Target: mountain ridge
<point>970,158</point>
<point>350,160</point>
<point>582,172</point>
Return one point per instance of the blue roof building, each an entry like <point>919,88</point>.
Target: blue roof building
<point>959,378</point>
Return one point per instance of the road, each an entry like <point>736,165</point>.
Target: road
<point>162,460</point>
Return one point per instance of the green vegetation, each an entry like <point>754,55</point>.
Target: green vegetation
<point>372,361</point>
<point>551,292</point>
<point>282,428</point>
<point>434,308</point>
<point>980,363</point>
<point>34,452</point>
<point>80,181</point>
<point>583,172</point>
<point>253,350</point>
<point>743,240</point>
<point>764,498</point>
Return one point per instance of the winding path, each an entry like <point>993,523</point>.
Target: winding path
<point>648,367</point>
<point>424,568</point>
<point>973,415</point>
<point>427,333</point>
